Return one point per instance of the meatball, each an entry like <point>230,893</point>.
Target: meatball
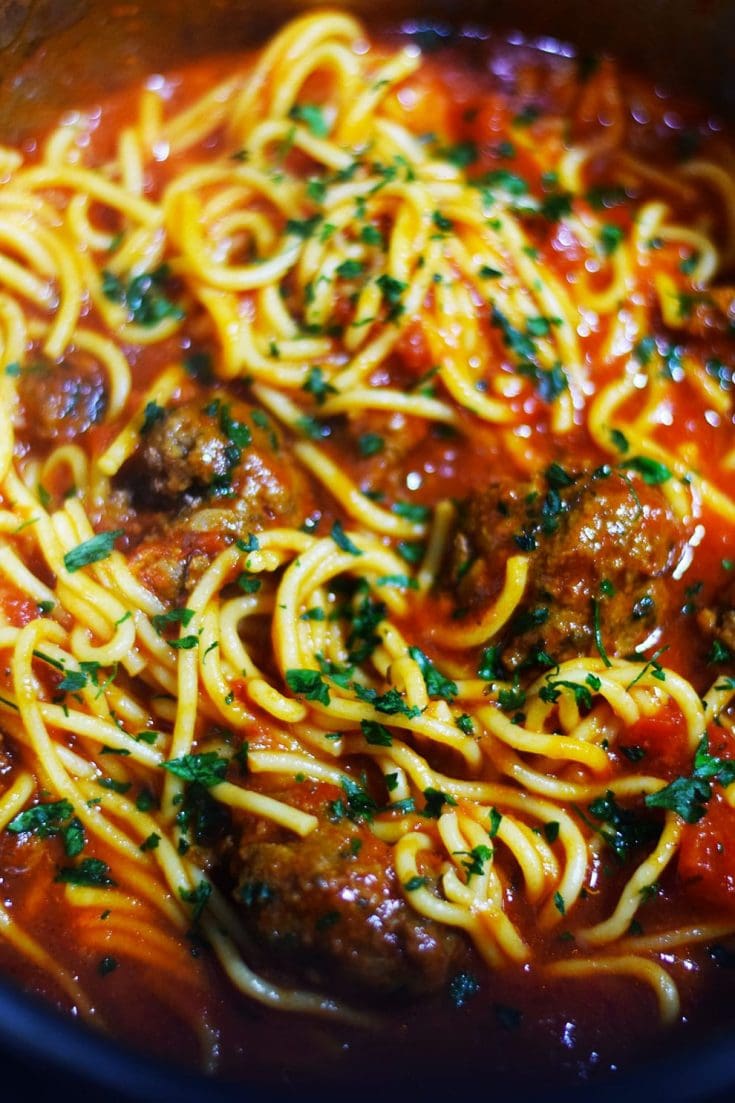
<point>183,452</point>
<point>172,562</point>
<point>62,399</point>
<point>215,450</point>
<point>330,906</point>
<point>597,537</point>
<point>207,473</point>
<point>718,619</point>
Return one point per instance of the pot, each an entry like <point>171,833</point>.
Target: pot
<point>54,54</point>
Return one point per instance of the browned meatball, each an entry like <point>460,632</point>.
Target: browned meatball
<point>218,451</point>
<point>184,451</point>
<point>61,400</point>
<point>330,907</point>
<point>208,473</point>
<point>598,537</point>
<point>172,562</point>
<point>718,619</point>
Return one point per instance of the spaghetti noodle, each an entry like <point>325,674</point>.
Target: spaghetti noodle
<point>265,348</point>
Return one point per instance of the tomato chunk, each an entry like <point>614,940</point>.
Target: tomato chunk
<point>663,739</point>
<point>707,854</point>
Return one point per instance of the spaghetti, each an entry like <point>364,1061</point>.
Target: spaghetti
<point>264,348</point>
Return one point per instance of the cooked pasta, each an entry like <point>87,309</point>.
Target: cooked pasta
<point>366,464</point>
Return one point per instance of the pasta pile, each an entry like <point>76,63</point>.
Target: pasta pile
<point>310,229</point>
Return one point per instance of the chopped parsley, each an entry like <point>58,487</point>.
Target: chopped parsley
<point>342,540</point>
<point>376,734</point>
<point>688,796</point>
<point>161,621</point>
<point>91,551</point>
<point>198,898</point>
<point>610,238</point>
<point>391,703</point>
<point>651,471</point>
<point>308,684</point>
<point>461,154</point>
<point>143,296</point>
<point>624,830</point>
<point>370,444</point>
<point>304,227</point>
<point>317,386</point>
<point>43,820</point>
<point>436,684</point>
<point>435,801</point>
<point>207,768</point>
<point>474,860</point>
<point>312,116</point>
<point>90,872</point>
<point>391,290</point>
